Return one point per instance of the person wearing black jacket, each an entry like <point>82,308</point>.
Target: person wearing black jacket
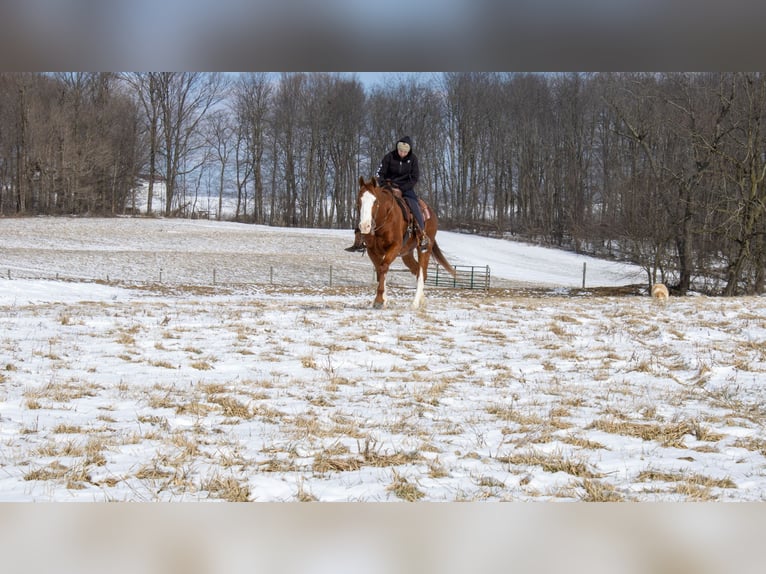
<point>399,168</point>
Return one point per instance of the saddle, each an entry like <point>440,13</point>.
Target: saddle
<point>404,206</point>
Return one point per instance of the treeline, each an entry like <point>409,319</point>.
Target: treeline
<point>666,170</point>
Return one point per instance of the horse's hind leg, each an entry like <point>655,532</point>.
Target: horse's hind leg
<point>420,292</point>
<point>420,295</point>
<point>411,263</point>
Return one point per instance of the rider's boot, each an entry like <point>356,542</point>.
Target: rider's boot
<point>358,243</point>
<point>423,241</point>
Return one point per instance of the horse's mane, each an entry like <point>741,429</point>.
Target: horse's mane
<point>384,183</point>
<point>389,186</point>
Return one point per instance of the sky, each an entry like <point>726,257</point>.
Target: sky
<point>372,79</point>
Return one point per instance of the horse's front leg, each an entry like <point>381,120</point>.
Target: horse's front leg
<point>388,257</point>
<point>380,295</point>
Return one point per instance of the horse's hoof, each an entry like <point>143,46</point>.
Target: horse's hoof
<point>377,305</point>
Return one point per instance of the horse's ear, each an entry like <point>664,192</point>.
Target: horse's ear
<point>361,181</point>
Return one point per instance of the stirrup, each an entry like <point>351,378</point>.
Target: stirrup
<point>424,243</point>
<point>354,248</point>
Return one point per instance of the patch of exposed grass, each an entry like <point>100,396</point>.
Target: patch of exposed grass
<point>436,469</point>
<point>275,464</point>
<point>227,488</point>
<point>550,462</point>
<point>194,408</point>
<point>67,429</point>
<point>162,364</point>
<point>324,464</point>
<point>201,365</point>
<point>231,407</point>
<point>752,444</point>
<point>582,442</point>
<point>404,489</point>
<point>697,480</point>
<point>668,435</point>
<point>153,471</point>
<point>53,471</point>
<point>125,339</point>
<point>512,414</point>
<point>599,491</point>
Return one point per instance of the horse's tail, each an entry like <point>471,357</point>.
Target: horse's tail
<point>436,252</point>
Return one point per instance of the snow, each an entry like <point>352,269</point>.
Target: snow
<point>177,360</point>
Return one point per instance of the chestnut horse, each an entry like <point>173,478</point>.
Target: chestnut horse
<point>384,229</point>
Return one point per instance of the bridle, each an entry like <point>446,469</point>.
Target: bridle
<point>375,208</point>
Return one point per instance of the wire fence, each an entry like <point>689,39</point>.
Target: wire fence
<point>227,273</point>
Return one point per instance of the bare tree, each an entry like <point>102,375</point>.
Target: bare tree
<point>288,149</point>
<point>253,93</point>
<point>343,123</point>
<point>745,169</point>
<point>220,131</point>
<point>184,100</point>
<point>146,87</point>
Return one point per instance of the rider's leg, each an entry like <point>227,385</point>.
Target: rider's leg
<point>358,241</point>
<point>412,201</point>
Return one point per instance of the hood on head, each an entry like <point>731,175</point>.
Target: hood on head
<point>404,145</point>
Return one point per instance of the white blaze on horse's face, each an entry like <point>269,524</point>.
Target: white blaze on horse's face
<point>365,212</point>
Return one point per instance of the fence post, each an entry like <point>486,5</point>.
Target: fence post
<point>330,275</point>
<point>583,274</point>
<point>213,275</point>
<point>271,275</point>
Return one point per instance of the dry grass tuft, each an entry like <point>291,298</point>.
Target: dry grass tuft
<point>582,442</point>
<point>668,435</point>
<point>682,477</point>
<point>436,469</point>
<point>599,491</point>
<point>324,464</point>
<point>67,429</point>
<point>53,471</point>
<point>752,444</point>
<point>550,462</point>
<point>304,495</point>
<point>201,365</point>
<point>227,488</point>
<point>231,407</point>
<point>373,457</point>
<point>404,489</point>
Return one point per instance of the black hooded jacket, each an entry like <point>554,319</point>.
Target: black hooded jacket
<point>402,172</point>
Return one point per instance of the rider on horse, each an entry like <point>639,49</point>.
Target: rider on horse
<point>399,169</point>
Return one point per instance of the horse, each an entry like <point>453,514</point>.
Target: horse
<point>384,223</point>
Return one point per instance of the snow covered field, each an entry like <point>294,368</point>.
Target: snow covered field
<point>174,360</point>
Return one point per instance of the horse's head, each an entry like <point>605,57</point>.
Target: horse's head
<point>366,201</point>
